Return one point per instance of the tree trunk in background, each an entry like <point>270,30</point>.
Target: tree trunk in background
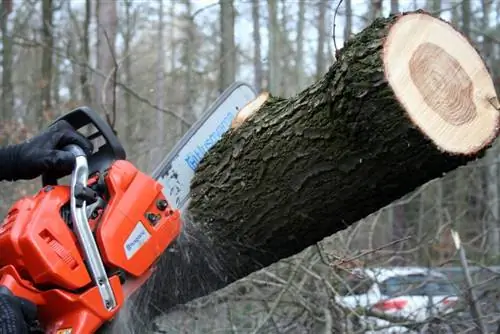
<point>348,20</point>
<point>466,19</point>
<point>227,70</point>
<point>85,51</point>
<point>322,29</point>
<point>48,42</point>
<point>434,6</point>
<point>257,58</point>
<point>273,80</point>
<point>299,55</point>
<point>439,220</point>
<point>188,59</point>
<point>174,78</point>
<point>300,169</point>
<point>7,85</point>
<point>285,52</point>
<point>493,216</point>
<point>56,85</point>
<point>73,85</point>
<point>375,9</point>
<point>107,22</point>
<point>127,71</point>
<point>394,6</point>
<point>160,137</point>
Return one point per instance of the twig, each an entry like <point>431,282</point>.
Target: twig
<point>32,43</point>
<point>280,296</point>
<point>373,250</point>
<point>476,313</point>
<point>334,26</point>
<point>192,17</point>
<point>328,320</point>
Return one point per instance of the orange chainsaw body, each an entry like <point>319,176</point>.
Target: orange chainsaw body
<point>40,257</point>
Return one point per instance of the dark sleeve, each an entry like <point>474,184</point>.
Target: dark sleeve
<point>7,164</point>
<point>11,317</point>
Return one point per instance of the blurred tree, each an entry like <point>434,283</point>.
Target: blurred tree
<point>299,54</point>
<point>257,58</point>
<point>7,85</point>
<point>227,71</point>
<point>107,23</point>
<point>322,29</point>
<point>274,46</point>
<point>48,45</point>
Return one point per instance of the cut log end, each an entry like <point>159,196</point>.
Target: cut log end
<point>249,109</point>
<point>442,83</point>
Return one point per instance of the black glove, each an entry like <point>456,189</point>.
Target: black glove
<point>42,154</point>
<point>16,314</point>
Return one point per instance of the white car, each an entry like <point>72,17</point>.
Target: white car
<point>412,294</point>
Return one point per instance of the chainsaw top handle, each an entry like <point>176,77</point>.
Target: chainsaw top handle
<point>107,147</point>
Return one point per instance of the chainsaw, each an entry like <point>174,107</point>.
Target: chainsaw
<point>78,251</point>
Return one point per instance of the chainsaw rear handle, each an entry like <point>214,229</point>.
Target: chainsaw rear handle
<point>109,148</point>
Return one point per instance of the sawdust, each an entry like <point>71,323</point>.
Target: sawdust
<point>191,267</point>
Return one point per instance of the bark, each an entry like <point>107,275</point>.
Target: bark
<point>300,169</point>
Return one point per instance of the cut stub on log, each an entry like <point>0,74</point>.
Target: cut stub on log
<point>249,109</point>
<point>408,100</point>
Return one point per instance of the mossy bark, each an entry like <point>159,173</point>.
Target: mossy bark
<point>297,171</point>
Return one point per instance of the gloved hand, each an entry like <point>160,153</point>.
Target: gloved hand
<point>42,154</point>
<point>16,314</point>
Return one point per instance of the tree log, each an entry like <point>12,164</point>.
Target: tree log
<point>408,100</point>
